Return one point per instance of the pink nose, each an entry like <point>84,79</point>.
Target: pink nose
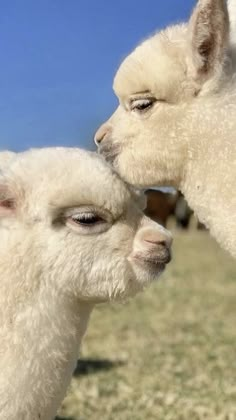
<point>157,237</point>
<point>153,243</point>
<point>101,133</point>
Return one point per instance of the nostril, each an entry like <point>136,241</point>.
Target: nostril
<point>101,134</point>
<point>158,242</point>
<point>98,139</point>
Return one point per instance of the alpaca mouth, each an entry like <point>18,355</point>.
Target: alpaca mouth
<point>157,262</point>
<point>109,151</point>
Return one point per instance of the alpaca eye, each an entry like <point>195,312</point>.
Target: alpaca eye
<point>141,105</point>
<point>87,219</point>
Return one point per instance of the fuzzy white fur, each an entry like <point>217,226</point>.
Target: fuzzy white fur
<point>54,268</point>
<point>5,158</point>
<point>186,135</point>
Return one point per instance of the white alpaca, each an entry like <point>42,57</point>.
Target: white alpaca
<point>176,122</point>
<point>72,235</point>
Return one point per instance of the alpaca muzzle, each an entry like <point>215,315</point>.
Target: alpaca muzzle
<point>152,245</point>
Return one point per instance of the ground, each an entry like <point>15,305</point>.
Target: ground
<point>170,353</point>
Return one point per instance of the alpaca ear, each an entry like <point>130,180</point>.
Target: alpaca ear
<point>209,31</point>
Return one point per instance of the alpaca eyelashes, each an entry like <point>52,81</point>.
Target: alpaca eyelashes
<point>142,105</point>
<point>87,219</point>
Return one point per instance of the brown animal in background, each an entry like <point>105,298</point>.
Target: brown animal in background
<point>160,205</point>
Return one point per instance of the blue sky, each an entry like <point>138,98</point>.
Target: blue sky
<point>58,58</point>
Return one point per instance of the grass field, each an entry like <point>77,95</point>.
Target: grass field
<point>170,353</point>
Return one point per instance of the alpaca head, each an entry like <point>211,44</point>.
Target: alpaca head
<point>70,225</point>
<point>144,138</point>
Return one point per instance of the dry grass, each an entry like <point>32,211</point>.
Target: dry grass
<point>169,354</point>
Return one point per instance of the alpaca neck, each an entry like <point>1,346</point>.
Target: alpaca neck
<point>210,128</point>
<point>211,134</point>
<point>45,331</point>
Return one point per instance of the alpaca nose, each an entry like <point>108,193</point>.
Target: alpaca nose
<point>103,131</point>
<point>157,245</point>
<point>158,237</point>
<point>153,243</point>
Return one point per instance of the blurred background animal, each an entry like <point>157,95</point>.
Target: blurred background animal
<point>162,204</point>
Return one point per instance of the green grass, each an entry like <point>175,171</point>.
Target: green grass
<point>170,353</point>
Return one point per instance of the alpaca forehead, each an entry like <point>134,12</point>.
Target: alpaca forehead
<point>154,63</point>
<point>69,178</point>
<point>105,192</point>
